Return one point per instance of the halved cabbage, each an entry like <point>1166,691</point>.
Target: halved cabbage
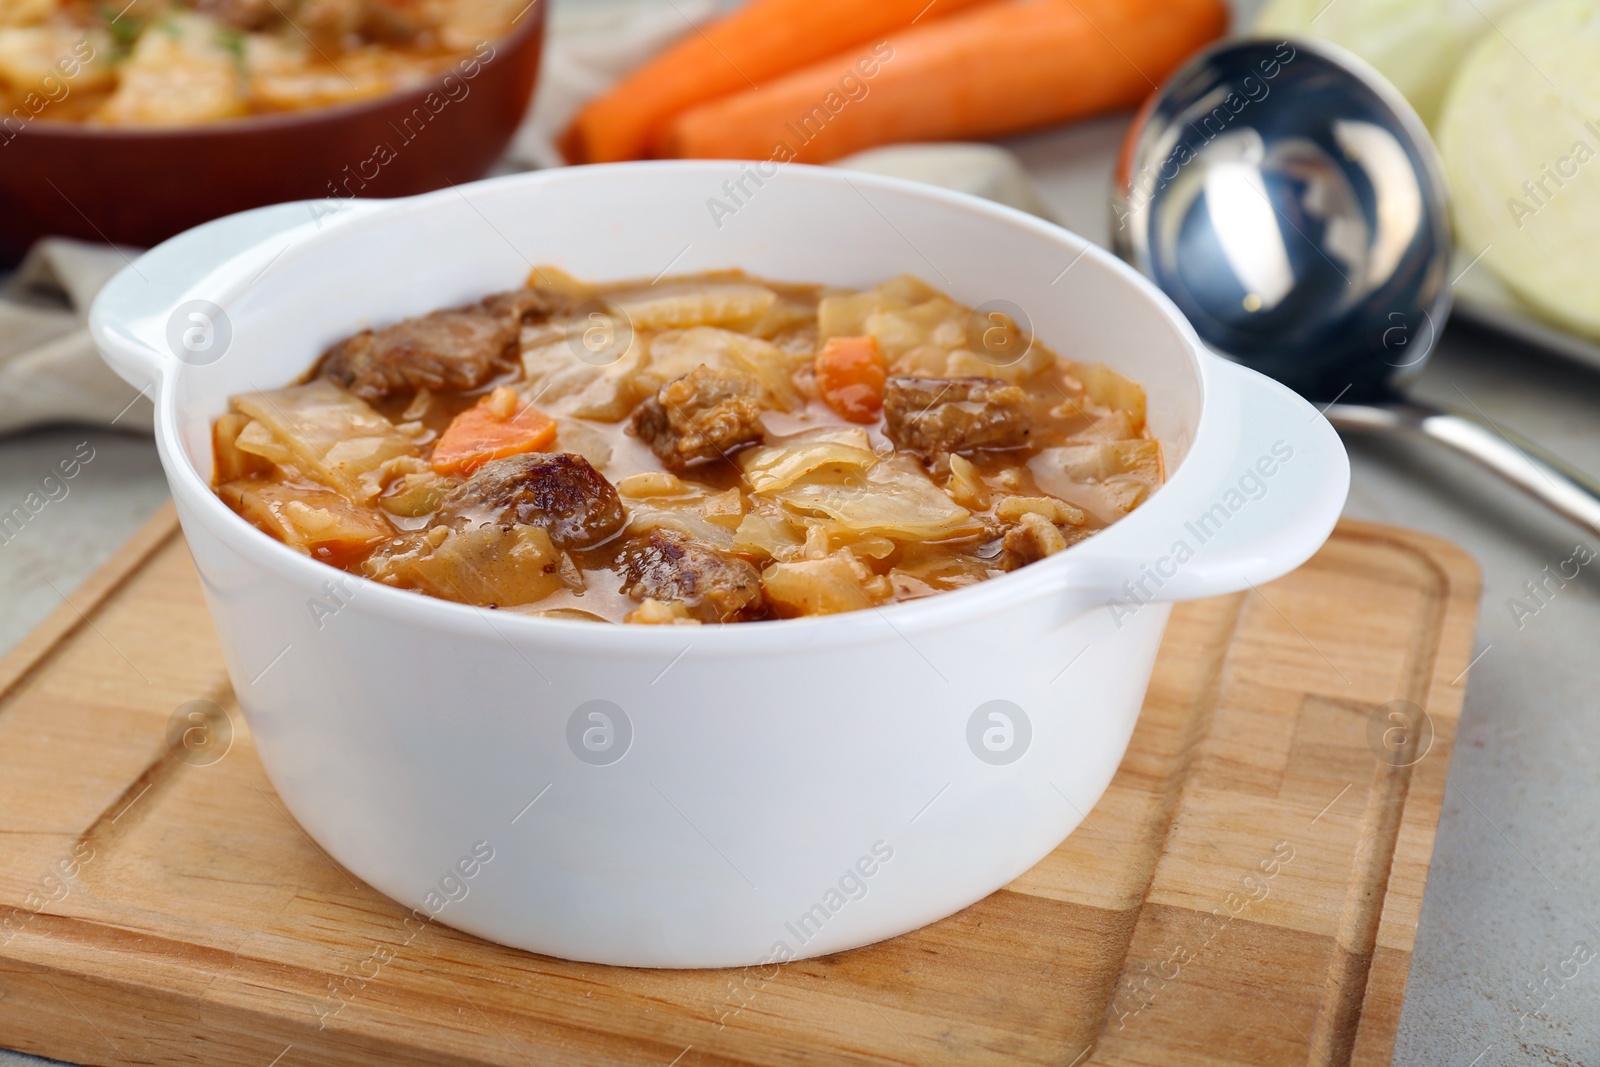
<point>1416,44</point>
<point>325,432</point>
<point>1521,157</point>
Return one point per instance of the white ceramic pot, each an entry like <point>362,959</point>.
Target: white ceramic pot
<point>719,795</point>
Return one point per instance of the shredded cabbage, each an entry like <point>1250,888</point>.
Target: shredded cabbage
<point>667,307</point>
<point>766,532</point>
<point>893,499</point>
<point>922,332</point>
<point>838,582</point>
<point>675,353</point>
<point>684,514</point>
<point>325,432</point>
<point>1106,478</point>
<point>774,467</point>
<point>1109,389</point>
<point>314,521</point>
<point>491,565</point>
<point>563,383</point>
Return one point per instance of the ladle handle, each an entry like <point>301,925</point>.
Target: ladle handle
<point>1563,488</point>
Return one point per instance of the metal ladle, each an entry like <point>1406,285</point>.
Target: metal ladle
<point>1291,203</point>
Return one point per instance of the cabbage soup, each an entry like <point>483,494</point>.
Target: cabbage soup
<point>696,450</point>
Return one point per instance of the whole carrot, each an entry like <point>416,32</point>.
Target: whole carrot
<point>1005,66</point>
<point>748,48</point>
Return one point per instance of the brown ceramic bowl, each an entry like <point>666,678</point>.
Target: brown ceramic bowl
<point>139,187</point>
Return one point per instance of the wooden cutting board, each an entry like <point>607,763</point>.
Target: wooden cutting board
<point>1246,892</point>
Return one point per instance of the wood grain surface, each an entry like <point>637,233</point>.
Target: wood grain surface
<point>1246,892</point>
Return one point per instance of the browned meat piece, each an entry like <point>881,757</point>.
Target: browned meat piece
<point>702,415</point>
<point>714,586</point>
<point>387,22</point>
<point>527,304</point>
<point>460,348</point>
<point>1034,538</point>
<point>559,491</point>
<point>240,14</point>
<point>932,416</point>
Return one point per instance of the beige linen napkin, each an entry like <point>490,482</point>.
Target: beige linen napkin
<point>49,369</point>
<point>50,372</point>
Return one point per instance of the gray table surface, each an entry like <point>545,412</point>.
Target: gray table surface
<point>1514,887</point>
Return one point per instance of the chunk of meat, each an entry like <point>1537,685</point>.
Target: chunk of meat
<point>932,416</point>
<point>459,348</point>
<point>702,415</point>
<point>559,491</point>
<point>240,14</point>
<point>1035,537</point>
<point>713,586</point>
<point>528,304</point>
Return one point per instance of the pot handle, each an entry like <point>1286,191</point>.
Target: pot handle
<point>139,318</point>
<point>1258,494</point>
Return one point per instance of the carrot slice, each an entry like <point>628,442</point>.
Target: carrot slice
<point>998,68</point>
<point>497,426</point>
<point>851,373</point>
<point>756,43</point>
